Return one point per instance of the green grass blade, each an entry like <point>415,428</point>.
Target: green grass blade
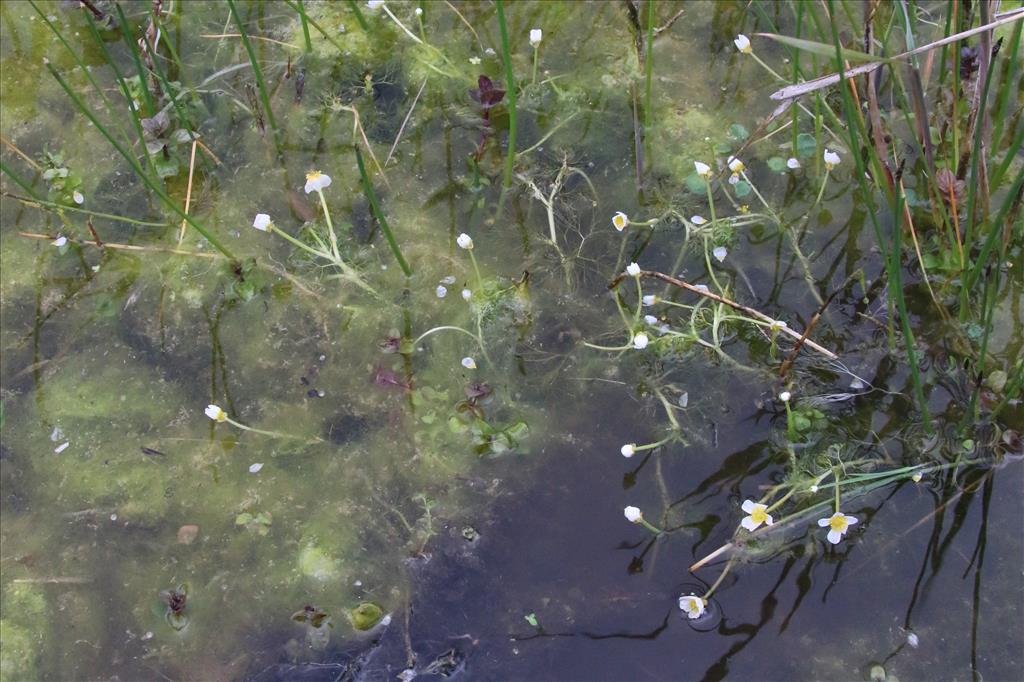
<point>823,49</point>
<point>371,196</point>
<point>257,72</point>
<point>133,48</point>
<point>18,180</point>
<point>305,25</point>
<point>510,88</point>
<point>354,6</point>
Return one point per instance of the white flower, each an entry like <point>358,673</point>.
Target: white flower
<point>464,241</point>
<point>757,514</point>
<point>468,362</point>
<point>441,291</point>
<point>474,60</point>
<point>831,159</point>
<point>375,4</point>
<point>419,11</point>
<point>792,163</point>
<point>490,51</point>
<point>777,325</point>
<point>814,488</point>
<point>633,514</point>
<point>640,341</point>
<point>62,447</point>
<point>620,221</point>
<point>785,396</point>
<point>916,478</point>
<point>536,35</point>
<point>316,181</point>
<point>77,196</point>
<point>255,467</point>
<point>650,299</point>
<point>837,524</point>
<point>742,44</point>
<point>61,240</point>
<point>735,165</point>
<point>720,252</point>
<point>628,450</point>
<point>262,222</point>
<point>692,606</point>
<point>702,288</point>
<point>734,179</point>
<point>449,280</point>
<point>215,413</point>
<point>698,220</point>
<point>702,169</point>
<point>633,270</point>
<point>651,320</point>
<point>466,294</point>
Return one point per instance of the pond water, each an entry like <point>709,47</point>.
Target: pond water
<point>417,480</point>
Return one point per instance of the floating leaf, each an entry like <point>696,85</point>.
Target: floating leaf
<point>742,188</point>
<point>806,145</point>
<point>738,131</point>
<point>696,184</point>
<point>777,164</point>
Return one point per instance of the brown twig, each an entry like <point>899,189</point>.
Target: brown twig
<point>125,247</point>
<point>669,279</point>
<point>188,191</point>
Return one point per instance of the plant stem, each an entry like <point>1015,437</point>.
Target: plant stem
<point>510,88</point>
<point>371,196</point>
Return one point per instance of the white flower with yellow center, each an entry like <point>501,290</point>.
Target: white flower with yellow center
<point>720,252</point>
<point>633,514</point>
<point>633,270</point>
<point>650,299</point>
<point>702,169</point>
<point>640,341</point>
<point>536,35</point>
<point>742,44</point>
<point>464,241</point>
<point>620,221</point>
<point>837,524</point>
<point>468,362</point>
<point>216,414</point>
<point>693,606</point>
<point>263,222</point>
<point>756,515</point>
<point>777,325</point>
<point>316,181</point>
<point>735,165</point>
<point>831,159</point>
<point>628,450</point>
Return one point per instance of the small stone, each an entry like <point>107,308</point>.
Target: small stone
<point>187,534</point>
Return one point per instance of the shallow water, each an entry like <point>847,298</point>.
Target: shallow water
<point>496,555</point>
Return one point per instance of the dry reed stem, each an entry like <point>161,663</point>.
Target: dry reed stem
<point>20,153</point>
<point>125,247</point>
<point>188,192</point>
<point>732,304</point>
<point>239,35</point>
<point>405,121</point>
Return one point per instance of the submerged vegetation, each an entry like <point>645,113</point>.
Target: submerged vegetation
<point>777,269</point>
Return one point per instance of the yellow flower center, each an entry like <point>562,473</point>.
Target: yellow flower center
<point>760,514</point>
<point>838,523</point>
<point>313,175</point>
<point>620,221</point>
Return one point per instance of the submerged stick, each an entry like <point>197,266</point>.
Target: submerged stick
<point>732,304</point>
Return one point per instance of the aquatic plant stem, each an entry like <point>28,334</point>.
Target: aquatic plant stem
<point>371,196</point>
<point>648,74</point>
<point>256,70</point>
<point>649,526</point>
<point>330,225</point>
<point>536,55</point>
<point>476,270</point>
<point>274,434</point>
<point>450,327</point>
<point>510,88</point>
<point>721,577</point>
<point>305,25</point>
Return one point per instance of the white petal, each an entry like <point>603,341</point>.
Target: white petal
<point>720,252</point>
<point>650,319</point>
<point>467,294</point>
<point>768,519</point>
<point>60,241</point>
<point>469,363</point>
<point>834,537</point>
<point>77,196</point>
<point>262,221</point>
<point>702,168</point>
<point>464,241</point>
<point>748,506</point>
<point>62,447</point>
<point>441,291</point>
<point>632,514</point>
<point>792,163</point>
<point>640,341</point>
<point>650,300</point>
<point>823,522</point>
<point>255,468</point>
<point>698,220</point>
<point>749,523</point>
<point>851,520</point>
<point>633,269</point>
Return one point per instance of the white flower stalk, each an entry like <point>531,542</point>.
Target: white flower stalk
<point>640,341</point>
<point>742,44</point>
<point>620,221</point>
<point>702,169</point>
<point>468,362</point>
<point>317,181</point>
<point>536,35</point>
<point>757,514</point>
<point>464,241</point>
<point>263,222</point>
<point>628,450</point>
<point>837,524</point>
<point>831,159</point>
<point>633,270</point>
<point>693,606</point>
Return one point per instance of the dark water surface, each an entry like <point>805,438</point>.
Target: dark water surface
<point>500,553</point>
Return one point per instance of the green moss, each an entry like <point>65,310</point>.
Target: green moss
<point>19,653</point>
<point>365,616</point>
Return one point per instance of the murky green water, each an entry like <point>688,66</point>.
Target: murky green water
<point>481,508</point>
